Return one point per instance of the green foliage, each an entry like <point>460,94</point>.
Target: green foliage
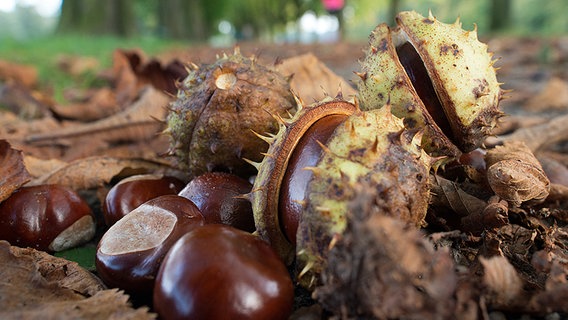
<point>84,256</point>
<point>529,17</point>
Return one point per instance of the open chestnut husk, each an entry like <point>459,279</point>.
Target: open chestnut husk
<point>436,77</point>
<point>311,167</point>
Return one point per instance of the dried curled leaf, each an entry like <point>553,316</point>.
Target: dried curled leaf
<point>467,212</point>
<point>515,175</point>
<point>13,172</point>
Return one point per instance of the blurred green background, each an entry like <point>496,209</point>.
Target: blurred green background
<point>226,21</point>
<point>38,32</point>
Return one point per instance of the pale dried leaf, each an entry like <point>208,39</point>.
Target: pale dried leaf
<point>67,274</point>
<point>21,100</point>
<point>94,172</point>
<point>311,78</point>
<point>77,65</point>
<point>539,136</point>
<point>38,167</point>
<point>137,122</point>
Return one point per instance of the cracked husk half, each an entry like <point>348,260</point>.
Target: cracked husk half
<point>435,76</point>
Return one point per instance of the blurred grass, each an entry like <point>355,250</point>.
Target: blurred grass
<point>43,53</point>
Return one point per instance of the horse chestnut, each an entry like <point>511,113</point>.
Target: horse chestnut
<point>219,272</point>
<point>133,191</point>
<point>218,195</point>
<point>296,178</point>
<point>130,252</point>
<point>46,217</point>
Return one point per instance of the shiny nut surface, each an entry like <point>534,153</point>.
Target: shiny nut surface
<point>46,217</point>
<point>130,252</point>
<point>219,272</point>
<point>218,195</point>
<point>133,191</point>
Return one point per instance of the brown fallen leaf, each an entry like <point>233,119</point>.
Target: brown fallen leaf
<point>138,122</point>
<point>102,103</point>
<point>94,172</point>
<point>25,75</point>
<point>77,65</point>
<point>21,101</point>
<point>553,299</point>
<point>38,286</point>
<point>13,171</point>
<point>131,71</point>
<point>555,171</point>
<point>311,78</point>
<point>449,194</point>
<point>468,212</point>
<point>554,96</point>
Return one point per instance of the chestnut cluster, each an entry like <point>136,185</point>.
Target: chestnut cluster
<point>184,246</point>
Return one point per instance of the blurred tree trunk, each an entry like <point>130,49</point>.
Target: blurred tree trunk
<point>114,17</point>
<point>394,8</point>
<point>182,19</point>
<point>500,15</point>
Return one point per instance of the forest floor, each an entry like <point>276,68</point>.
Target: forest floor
<point>92,136</point>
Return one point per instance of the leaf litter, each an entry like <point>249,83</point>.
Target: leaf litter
<point>484,254</point>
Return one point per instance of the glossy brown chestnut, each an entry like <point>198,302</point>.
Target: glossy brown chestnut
<point>219,272</point>
<point>46,217</point>
<point>218,197</point>
<point>296,179</point>
<point>130,252</point>
<point>133,191</point>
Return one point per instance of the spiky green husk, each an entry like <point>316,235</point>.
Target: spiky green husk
<point>461,70</point>
<point>370,146</point>
<point>218,106</point>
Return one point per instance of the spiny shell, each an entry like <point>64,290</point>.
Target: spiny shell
<point>460,69</point>
<point>218,106</point>
<point>371,145</point>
